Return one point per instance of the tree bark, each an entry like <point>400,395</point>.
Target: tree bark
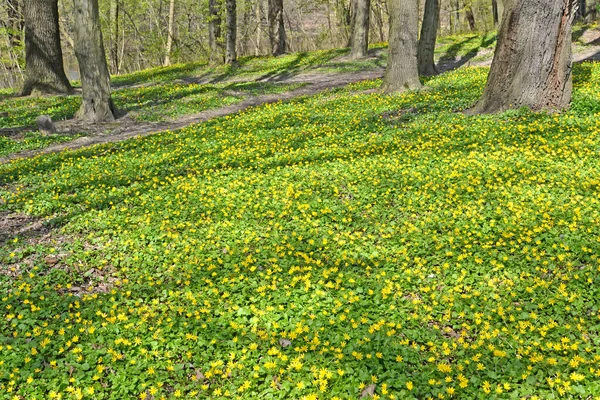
<point>170,33</point>
<point>532,61</point>
<point>44,70</point>
<point>402,71</point>
<point>276,28</point>
<point>97,105</point>
<point>429,28</point>
<point>114,35</point>
<point>214,31</point>
<point>231,35</point>
<point>360,30</point>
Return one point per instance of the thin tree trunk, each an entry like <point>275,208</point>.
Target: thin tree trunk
<point>379,18</point>
<point>456,13</point>
<point>114,35</point>
<point>277,36</point>
<point>214,31</point>
<point>429,28</point>
<point>402,71</point>
<point>170,33</point>
<point>97,105</point>
<point>495,11</point>
<point>44,71</point>
<point>532,61</point>
<point>360,30</point>
<point>259,26</point>
<point>231,35</point>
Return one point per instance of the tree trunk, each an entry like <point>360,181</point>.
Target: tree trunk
<point>231,22</point>
<point>532,61</point>
<point>591,11</point>
<point>214,31</point>
<point>276,27</point>
<point>170,33</point>
<point>580,12</point>
<point>360,30</point>
<point>495,11</point>
<point>470,18</point>
<point>456,13</point>
<point>402,71</point>
<point>352,6</point>
<point>44,70</point>
<point>259,26</point>
<point>114,35</point>
<point>97,104</point>
<point>429,28</point>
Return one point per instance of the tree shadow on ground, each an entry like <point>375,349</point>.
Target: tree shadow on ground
<point>451,59</point>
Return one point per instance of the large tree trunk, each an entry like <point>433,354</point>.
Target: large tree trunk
<point>532,61</point>
<point>360,30</point>
<point>276,27</point>
<point>429,28</point>
<point>170,33</point>
<point>214,31</point>
<point>402,72</point>
<point>231,35</point>
<point>44,71</point>
<point>97,104</point>
<point>114,35</point>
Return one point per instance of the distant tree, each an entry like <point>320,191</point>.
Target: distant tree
<point>470,16</point>
<point>214,31</point>
<point>44,70</point>
<point>591,11</point>
<point>97,105</point>
<point>426,47</point>
<point>231,35</point>
<point>15,21</point>
<point>495,16</point>
<point>170,33</point>
<point>114,35</point>
<point>402,71</point>
<point>532,60</point>
<point>276,28</point>
<point>359,40</point>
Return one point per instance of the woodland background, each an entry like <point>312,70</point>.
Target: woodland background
<point>136,32</point>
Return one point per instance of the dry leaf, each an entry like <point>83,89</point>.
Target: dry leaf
<point>369,391</point>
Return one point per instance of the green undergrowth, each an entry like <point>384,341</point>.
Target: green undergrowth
<point>146,103</point>
<point>328,247</point>
<point>30,141</point>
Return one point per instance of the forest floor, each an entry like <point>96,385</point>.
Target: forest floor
<point>345,244</point>
<point>293,76</point>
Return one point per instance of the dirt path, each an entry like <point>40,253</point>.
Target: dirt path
<point>126,128</point>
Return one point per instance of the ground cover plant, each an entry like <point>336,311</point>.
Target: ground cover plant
<point>336,246</point>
